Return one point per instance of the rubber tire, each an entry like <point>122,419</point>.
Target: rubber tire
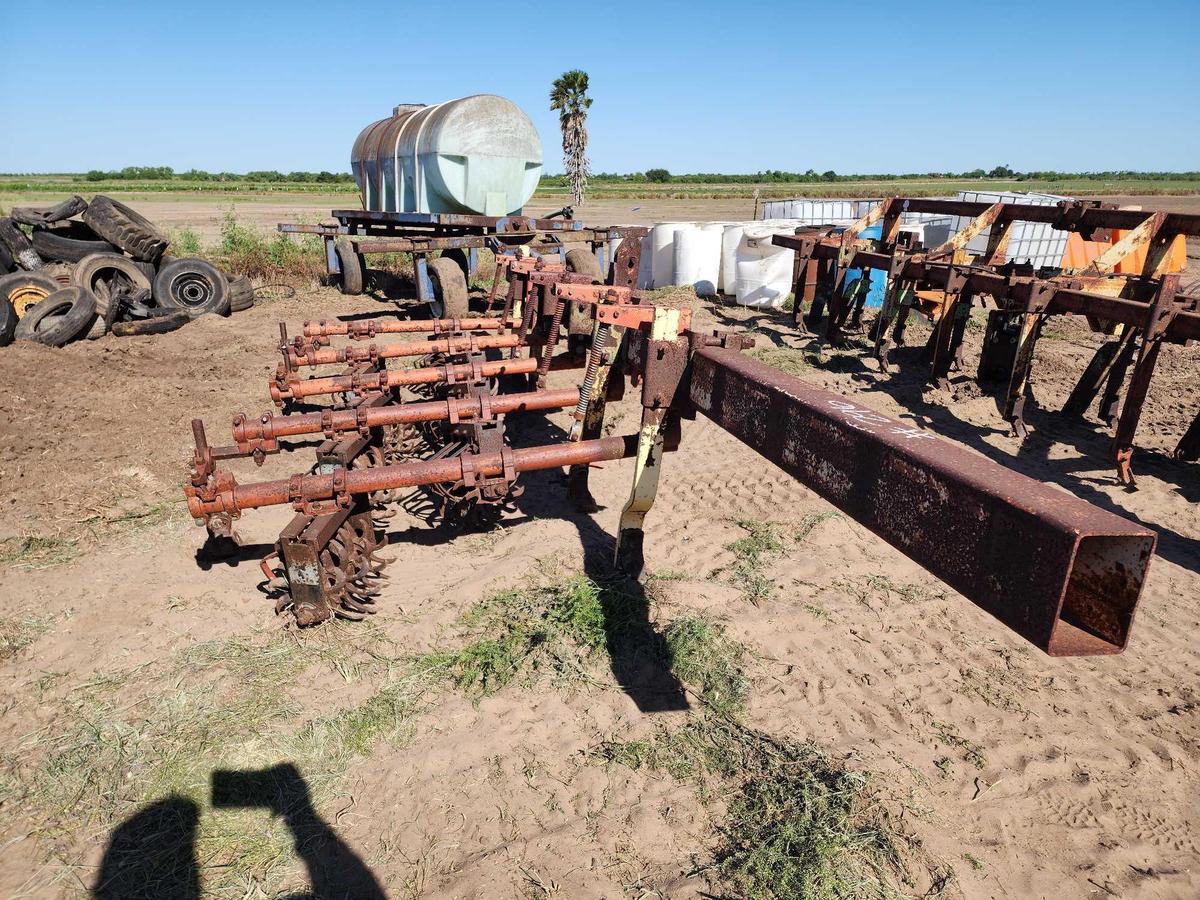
<point>353,268</point>
<point>69,208</point>
<point>170,321</point>
<point>166,286</point>
<point>127,229</point>
<point>584,262</point>
<point>449,287</point>
<point>581,317</point>
<point>7,263</point>
<point>241,294</point>
<point>87,274</point>
<point>26,283</point>
<point>59,246</point>
<point>80,308</point>
<point>8,322</point>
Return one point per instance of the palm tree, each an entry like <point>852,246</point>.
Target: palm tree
<point>569,97</point>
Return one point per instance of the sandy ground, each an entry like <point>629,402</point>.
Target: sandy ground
<point>1061,778</point>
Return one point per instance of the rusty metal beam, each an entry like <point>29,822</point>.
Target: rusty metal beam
<point>1062,573</point>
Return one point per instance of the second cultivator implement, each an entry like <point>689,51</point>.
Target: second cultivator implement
<point>1059,571</point>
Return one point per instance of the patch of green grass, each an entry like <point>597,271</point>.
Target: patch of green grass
<point>538,628</point>
<point>703,655</point>
<point>244,250</point>
<point>760,544</point>
<point>37,551</point>
<point>974,861</point>
<point>16,634</point>
<point>810,521</point>
<point>186,242</point>
<point>797,822</point>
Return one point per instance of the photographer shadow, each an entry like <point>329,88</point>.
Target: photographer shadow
<point>152,854</point>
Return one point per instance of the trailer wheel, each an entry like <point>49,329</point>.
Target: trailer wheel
<point>193,285</point>
<point>449,289</point>
<point>23,289</point>
<point>353,268</point>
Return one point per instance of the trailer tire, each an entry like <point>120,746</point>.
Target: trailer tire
<point>126,228</point>
<point>7,263</point>
<point>170,320</point>
<point>21,290</point>
<point>72,311</point>
<point>70,244</point>
<point>353,268</point>
<point>192,285</point>
<point>584,262</point>
<point>241,294</point>
<point>449,288</point>
<point>98,272</point>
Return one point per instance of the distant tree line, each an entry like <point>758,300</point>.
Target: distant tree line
<point>775,176</point>
<point>166,173</point>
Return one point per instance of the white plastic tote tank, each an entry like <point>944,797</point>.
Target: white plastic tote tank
<point>763,271</point>
<point>697,258</point>
<point>662,252</point>
<point>478,155</point>
<point>731,236</point>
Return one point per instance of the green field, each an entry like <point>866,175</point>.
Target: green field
<point>19,188</point>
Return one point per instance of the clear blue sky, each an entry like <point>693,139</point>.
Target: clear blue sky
<point>693,87</point>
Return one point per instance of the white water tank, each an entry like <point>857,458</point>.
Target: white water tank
<point>697,258</point>
<point>476,155</point>
<point>731,236</point>
<point>763,271</point>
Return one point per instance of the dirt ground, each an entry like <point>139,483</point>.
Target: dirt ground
<point>204,214</point>
<point>1026,776</point>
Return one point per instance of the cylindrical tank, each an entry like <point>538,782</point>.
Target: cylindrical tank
<point>477,155</point>
<point>662,248</point>
<point>697,258</point>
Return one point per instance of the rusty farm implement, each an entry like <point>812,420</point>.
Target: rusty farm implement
<point>1128,293</point>
<point>1062,573</point>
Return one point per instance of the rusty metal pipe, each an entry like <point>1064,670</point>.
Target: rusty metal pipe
<point>297,388</point>
<point>234,498</point>
<point>1062,573</point>
<point>269,427</point>
<point>365,328</point>
<point>314,356</point>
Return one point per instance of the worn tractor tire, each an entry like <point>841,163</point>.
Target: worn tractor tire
<point>193,285</point>
<point>581,317</point>
<point>354,269</point>
<point>60,318</point>
<point>449,289</point>
<point>7,263</point>
<point>28,215</point>
<point>22,290</point>
<point>8,322</point>
<point>19,246</point>
<point>127,229</point>
<point>241,294</point>
<point>168,321</point>
<point>70,244</point>
<point>584,262</point>
<point>100,273</point>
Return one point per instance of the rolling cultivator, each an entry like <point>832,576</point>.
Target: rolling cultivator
<point>1127,293</point>
<point>431,437</point>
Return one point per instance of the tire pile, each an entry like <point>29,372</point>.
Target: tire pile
<point>84,269</point>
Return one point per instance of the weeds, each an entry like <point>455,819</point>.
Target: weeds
<point>948,736</point>
<point>785,359</point>
<point>37,551</point>
<point>797,823</point>
<point>702,654</point>
<point>244,251</point>
<point>760,544</point>
<point>17,634</point>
